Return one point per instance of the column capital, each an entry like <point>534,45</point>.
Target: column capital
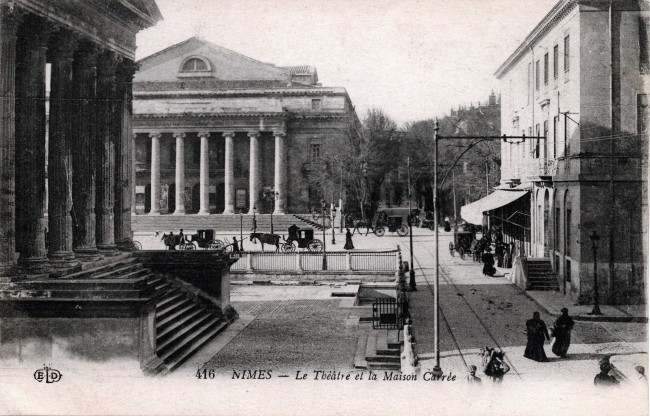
<point>107,62</point>
<point>279,133</point>
<point>228,134</point>
<point>203,134</point>
<point>254,134</point>
<point>63,44</point>
<point>126,70</point>
<point>35,31</point>
<point>179,135</point>
<point>155,135</point>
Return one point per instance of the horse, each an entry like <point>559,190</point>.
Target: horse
<point>265,238</point>
<point>171,240</point>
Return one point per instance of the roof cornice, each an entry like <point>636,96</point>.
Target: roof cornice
<point>557,13</point>
<point>234,93</point>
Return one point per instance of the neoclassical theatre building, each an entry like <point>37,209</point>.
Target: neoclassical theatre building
<point>215,131</point>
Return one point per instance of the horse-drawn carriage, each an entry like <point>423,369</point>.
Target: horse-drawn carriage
<point>303,239</point>
<point>205,239</point>
<point>394,223</point>
<point>462,243</point>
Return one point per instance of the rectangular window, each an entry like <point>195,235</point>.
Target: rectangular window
<point>556,125</point>
<point>536,150</point>
<point>545,139</point>
<point>537,76</point>
<point>557,228</point>
<point>567,54</point>
<point>567,233</point>
<point>556,57</point>
<point>642,113</point>
<point>316,104</point>
<point>530,83</point>
<point>567,271</point>
<point>644,55</point>
<point>314,152</point>
<point>546,69</point>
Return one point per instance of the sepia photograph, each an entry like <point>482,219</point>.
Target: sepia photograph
<point>324,207</point>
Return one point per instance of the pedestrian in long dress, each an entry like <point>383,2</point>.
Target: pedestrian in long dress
<point>562,333</point>
<point>536,331</point>
<point>348,240</point>
<point>488,263</point>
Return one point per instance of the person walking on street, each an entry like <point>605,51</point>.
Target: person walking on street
<point>603,378</point>
<point>471,377</point>
<point>488,263</point>
<point>348,240</point>
<point>235,245</point>
<point>562,332</point>
<point>536,331</point>
<point>494,365</point>
<point>498,251</point>
<point>181,237</point>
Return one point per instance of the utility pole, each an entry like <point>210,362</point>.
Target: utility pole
<point>412,285</point>
<point>487,178</point>
<point>436,295</point>
<point>453,187</point>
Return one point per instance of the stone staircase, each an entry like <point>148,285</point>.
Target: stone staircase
<point>120,286</point>
<point>306,218</point>
<point>379,350</point>
<point>541,275</point>
<point>221,223</point>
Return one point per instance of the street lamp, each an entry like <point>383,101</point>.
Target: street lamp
<point>594,246</point>
<point>271,194</point>
<point>332,218</point>
<point>436,284</point>
<point>322,206</point>
<point>412,286</point>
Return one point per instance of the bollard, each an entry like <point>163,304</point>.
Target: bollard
<point>348,260</point>
<point>408,359</point>
<point>299,262</point>
<point>249,261</point>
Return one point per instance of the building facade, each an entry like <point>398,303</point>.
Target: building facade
<point>88,49</point>
<point>579,80</point>
<point>217,132</point>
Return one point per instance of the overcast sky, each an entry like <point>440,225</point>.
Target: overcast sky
<point>413,59</point>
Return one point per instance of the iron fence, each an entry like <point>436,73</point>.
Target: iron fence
<point>389,313</point>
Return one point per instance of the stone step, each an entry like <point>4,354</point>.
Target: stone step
<point>192,342</point>
<point>172,307</point>
<point>170,296</point>
<point>162,324</point>
<point>178,323</point>
<point>371,345</point>
<point>360,353</point>
<point>394,339</point>
<point>163,343</point>
<point>96,268</point>
<point>382,347</point>
<point>78,284</point>
<point>374,366</point>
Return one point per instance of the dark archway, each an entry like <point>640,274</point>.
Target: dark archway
<point>171,198</point>
<point>147,198</point>
<point>196,198</point>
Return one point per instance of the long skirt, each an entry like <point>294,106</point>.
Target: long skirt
<point>535,349</point>
<point>489,270</point>
<point>561,344</point>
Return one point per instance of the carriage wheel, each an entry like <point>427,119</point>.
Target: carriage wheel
<point>403,230</point>
<point>288,248</point>
<point>215,244</point>
<point>315,246</point>
<point>461,251</point>
<point>187,246</point>
<point>451,249</point>
<point>137,245</point>
<point>380,231</point>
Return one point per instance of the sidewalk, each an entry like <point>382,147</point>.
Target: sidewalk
<point>552,302</point>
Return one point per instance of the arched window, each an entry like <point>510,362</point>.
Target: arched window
<point>195,66</point>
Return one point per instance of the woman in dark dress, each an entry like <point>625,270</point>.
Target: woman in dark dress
<point>488,263</point>
<point>536,332</point>
<point>562,333</point>
<point>348,240</point>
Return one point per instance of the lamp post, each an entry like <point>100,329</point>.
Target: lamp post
<point>322,206</point>
<point>332,219</point>
<point>241,230</point>
<point>254,218</point>
<point>271,194</point>
<point>412,286</point>
<point>436,298</point>
<point>594,246</point>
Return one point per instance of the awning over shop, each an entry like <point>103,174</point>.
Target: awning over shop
<point>473,213</point>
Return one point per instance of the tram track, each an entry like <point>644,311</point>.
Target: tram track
<point>461,294</point>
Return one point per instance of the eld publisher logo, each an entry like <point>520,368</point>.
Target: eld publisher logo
<point>48,374</point>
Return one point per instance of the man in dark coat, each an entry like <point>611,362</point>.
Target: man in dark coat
<point>603,378</point>
<point>562,333</point>
<point>536,332</point>
<point>488,263</point>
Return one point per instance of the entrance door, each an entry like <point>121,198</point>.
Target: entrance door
<point>196,198</point>
<point>147,199</point>
<point>171,198</point>
<point>220,198</point>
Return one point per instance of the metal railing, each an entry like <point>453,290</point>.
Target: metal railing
<point>343,261</point>
<point>389,313</point>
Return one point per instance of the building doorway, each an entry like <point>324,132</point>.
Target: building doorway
<point>147,198</point>
<point>196,198</point>
<point>171,198</point>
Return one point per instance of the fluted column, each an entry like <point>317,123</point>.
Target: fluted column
<point>204,207</point>
<point>60,148</point>
<point>83,157</point>
<point>124,155</point>
<point>180,173</point>
<point>133,181</point>
<point>155,174</point>
<point>229,175</point>
<point>108,128</point>
<point>253,176</point>
<point>280,173</point>
<point>8,24</point>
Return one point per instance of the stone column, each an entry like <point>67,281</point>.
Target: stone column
<point>180,173</point>
<point>155,174</point>
<point>124,155</point>
<point>229,175</point>
<point>108,129</point>
<point>61,131</point>
<point>133,181</point>
<point>204,178</point>
<point>253,176</point>
<point>83,156</point>
<point>280,173</point>
<point>8,24</point>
